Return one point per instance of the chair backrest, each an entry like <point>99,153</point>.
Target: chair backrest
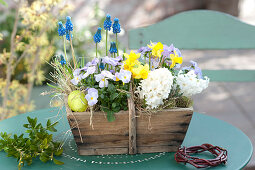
<point>201,29</point>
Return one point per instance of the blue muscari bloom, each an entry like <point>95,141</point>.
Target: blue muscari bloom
<point>113,48</point>
<point>61,29</point>
<point>101,66</point>
<point>108,22</point>
<point>97,36</point>
<point>116,26</point>
<point>62,61</point>
<point>68,35</point>
<point>69,25</point>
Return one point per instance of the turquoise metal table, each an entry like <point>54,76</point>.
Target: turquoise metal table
<point>202,129</point>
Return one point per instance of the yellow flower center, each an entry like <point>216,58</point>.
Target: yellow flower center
<point>91,98</point>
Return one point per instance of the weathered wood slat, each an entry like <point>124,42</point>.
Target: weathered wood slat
<point>102,151</point>
<point>132,123</point>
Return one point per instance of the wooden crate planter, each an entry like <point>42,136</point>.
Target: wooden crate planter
<point>129,134</point>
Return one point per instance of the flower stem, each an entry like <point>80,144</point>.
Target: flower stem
<point>65,48</point>
<point>106,42</point>
<point>74,61</point>
<point>117,45</point>
<point>96,50</point>
<point>150,61</point>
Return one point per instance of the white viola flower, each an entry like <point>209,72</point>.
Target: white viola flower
<point>103,82</point>
<point>76,79</point>
<point>156,87</point>
<point>90,70</point>
<point>107,74</point>
<point>190,84</point>
<point>125,76</point>
<point>92,96</point>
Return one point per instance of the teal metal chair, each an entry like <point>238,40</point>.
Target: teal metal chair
<point>201,30</point>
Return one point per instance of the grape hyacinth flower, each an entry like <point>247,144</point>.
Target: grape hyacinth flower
<point>107,27</point>
<point>92,96</point>
<point>101,65</point>
<point>113,48</point>
<point>61,29</point>
<point>97,36</point>
<point>116,26</point>
<point>116,29</point>
<point>108,22</point>
<point>62,60</point>
<point>68,35</point>
<point>69,25</point>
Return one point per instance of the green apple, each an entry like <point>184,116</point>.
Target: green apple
<point>77,101</point>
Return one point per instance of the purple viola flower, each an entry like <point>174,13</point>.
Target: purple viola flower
<point>110,60</point>
<point>92,96</point>
<point>178,52</point>
<point>143,50</point>
<point>154,63</point>
<point>168,50</point>
<point>196,69</point>
<point>76,72</point>
<point>94,62</point>
<point>118,58</point>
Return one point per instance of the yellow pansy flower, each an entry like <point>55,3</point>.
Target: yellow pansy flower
<point>175,59</point>
<point>157,49</point>
<point>132,56</point>
<point>140,72</point>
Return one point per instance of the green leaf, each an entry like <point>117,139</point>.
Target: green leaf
<point>26,125</point>
<point>48,123</point>
<point>59,152</point>
<point>113,96</point>
<point>57,162</point>
<point>44,158</point>
<point>111,87</point>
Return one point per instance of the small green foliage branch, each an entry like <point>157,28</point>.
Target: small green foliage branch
<point>39,143</point>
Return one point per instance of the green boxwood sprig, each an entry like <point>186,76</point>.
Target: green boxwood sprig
<point>39,143</point>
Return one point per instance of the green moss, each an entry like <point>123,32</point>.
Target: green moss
<point>184,102</point>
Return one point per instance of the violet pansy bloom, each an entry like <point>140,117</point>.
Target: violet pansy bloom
<point>110,60</point>
<point>143,50</point>
<point>196,69</point>
<point>92,96</point>
<point>167,50</point>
